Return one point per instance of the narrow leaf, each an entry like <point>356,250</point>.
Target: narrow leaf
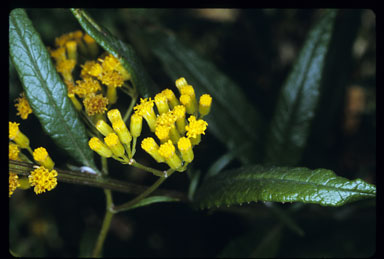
<point>233,119</point>
<point>123,51</point>
<point>150,200</point>
<point>46,92</point>
<point>299,97</point>
<point>281,184</point>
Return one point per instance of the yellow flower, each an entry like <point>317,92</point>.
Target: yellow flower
<point>145,109</point>
<point>16,135</point>
<point>13,183</point>
<point>86,86</point>
<point>168,151</point>
<point>122,131</point>
<point>71,95</point>
<point>95,104</point>
<point>22,106</point>
<point>99,147</point>
<point>65,68</point>
<point>13,151</point>
<point>172,100</point>
<point>63,39</point>
<point>40,155</point>
<point>186,100</point>
<point>112,63</point>
<point>103,127</point>
<point>205,104</point>
<point>185,147</point>
<point>114,115</point>
<point>58,54</point>
<point>162,133</point>
<point>179,112</point>
<point>95,70</point>
<point>43,179</point>
<point>195,127</point>
<point>111,78</point>
<point>136,125</point>
<point>150,146</point>
<point>180,82</point>
<point>91,44</point>
<point>71,47</point>
<point>86,67</point>
<point>112,141</point>
<point>161,102</point>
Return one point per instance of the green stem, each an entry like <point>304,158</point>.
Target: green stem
<point>148,169</point>
<point>147,192</point>
<point>108,214</point>
<point>106,225</point>
<point>130,108</point>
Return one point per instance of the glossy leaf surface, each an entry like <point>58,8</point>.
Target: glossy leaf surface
<point>281,184</point>
<point>46,92</point>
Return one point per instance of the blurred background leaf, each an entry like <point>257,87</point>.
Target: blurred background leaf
<point>298,99</point>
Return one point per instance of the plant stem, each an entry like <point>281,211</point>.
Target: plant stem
<point>106,224</point>
<point>24,168</point>
<point>129,111</point>
<point>108,214</point>
<point>147,192</point>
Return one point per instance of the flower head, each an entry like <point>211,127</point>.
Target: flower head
<point>95,104</point>
<point>99,147</point>
<point>195,127</point>
<point>113,142</point>
<point>43,179</point>
<point>145,109</point>
<point>168,151</point>
<point>150,146</point>
<point>16,135</point>
<point>136,125</point>
<point>86,86</point>
<point>205,104</point>
<point>22,106</point>
<point>181,82</point>
<point>41,156</point>
<point>13,183</point>
<point>172,100</point>
<point>185,147</point>
<point>161,103</point>
<point>111,78</point>
<point>13,151</point>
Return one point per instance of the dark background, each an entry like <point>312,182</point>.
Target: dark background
<point>256,49</point>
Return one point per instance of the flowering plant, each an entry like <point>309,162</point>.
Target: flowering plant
<point>92,95</point>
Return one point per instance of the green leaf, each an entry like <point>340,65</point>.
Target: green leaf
<point>299,98</point>
<point>233,119</point>
<point>150,200</point>
<point>46,92</point>
<point>281,184</point>
<point>123,51</point>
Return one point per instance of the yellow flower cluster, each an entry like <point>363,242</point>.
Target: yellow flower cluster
<point>117,139</point>
<point>44,177</point>
<point>106,71</point>
<point>22,106</point>
<point>166,116</point>
<point>176,134</point>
